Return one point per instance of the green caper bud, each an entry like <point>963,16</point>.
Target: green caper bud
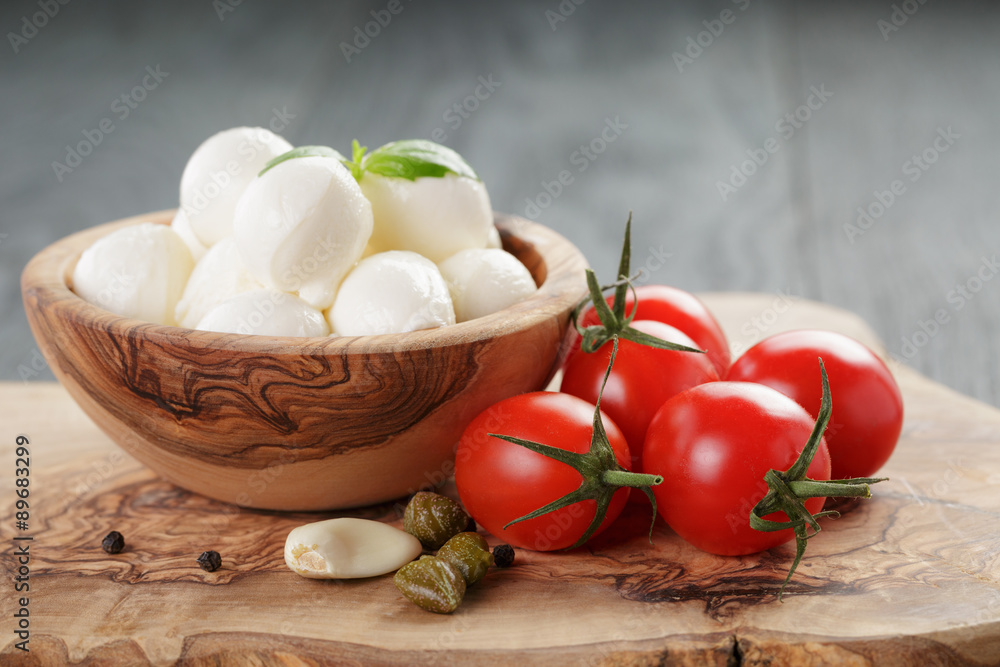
<point>470,553</point>
<point>434,519</point>
<point>432,584</point>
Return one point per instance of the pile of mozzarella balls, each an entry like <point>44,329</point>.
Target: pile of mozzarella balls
<point>309,246</point>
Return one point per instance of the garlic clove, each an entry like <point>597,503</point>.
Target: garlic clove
<point>348,548</point>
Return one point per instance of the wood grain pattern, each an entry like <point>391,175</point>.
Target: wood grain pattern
<point>910,577</point>
<point>299,423</point>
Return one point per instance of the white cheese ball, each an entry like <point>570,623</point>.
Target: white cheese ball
<point>485,280</point>
<point>435,217</point>
<point>494,240</point>
<point>182,226</point>
<point>218,172</point>
<point>138,271</point>
<point>391,292</point>
<point>219,275</point>
<point>265,312</point>
<point>301,227</point>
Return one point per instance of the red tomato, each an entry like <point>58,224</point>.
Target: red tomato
<point>867,405</point>
<point>499,481</point>
<point>713,445</point>
<point>678,309</point>
<point>642,379</point>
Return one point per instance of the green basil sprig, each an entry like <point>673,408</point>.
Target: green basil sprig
<point>410,159</point>
<point>415,158</point>
<point>305,151</point>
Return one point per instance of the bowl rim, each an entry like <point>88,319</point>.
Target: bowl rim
<point>47,276</point>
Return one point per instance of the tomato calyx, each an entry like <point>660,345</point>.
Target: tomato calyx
<point>614,321</point>
<point>788,490</point>
<point>602,475</point>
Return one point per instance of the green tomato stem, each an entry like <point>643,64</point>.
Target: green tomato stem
<point>632,479</point>
<point>788,490</point>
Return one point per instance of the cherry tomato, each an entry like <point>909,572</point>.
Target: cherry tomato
<point>678,309</point>
<point>642,379</point>
<point>499,481</point>
<point>867,405</point>
<point>713,445</point>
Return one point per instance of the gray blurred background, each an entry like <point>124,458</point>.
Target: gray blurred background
<point>841,99</point>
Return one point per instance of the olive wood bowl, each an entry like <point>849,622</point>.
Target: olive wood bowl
<point>299,423</point>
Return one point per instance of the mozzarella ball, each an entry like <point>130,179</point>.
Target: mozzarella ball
<point>301,227</point>
<point>219,276</point>
<point>494,240</point>
<point>218,172</point>
<point>435,217</point>
<point>138,271</point>
<point>484,280</point>
<point>391,292</point>
<point>265,312</point>
<point>182,226</point>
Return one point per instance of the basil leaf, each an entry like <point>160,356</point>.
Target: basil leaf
<point>304,151</point>
<point>416,158</point>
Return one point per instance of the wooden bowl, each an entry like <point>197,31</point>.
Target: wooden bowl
<point>299,423</point>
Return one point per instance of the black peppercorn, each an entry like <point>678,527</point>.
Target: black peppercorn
<point>503,555</point>
<point>210,561</point>
<point>471,527</point>
<point>113,542</point>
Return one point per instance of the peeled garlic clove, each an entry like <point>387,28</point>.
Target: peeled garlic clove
<point>137,271</point>
<point>391,292</point>
<point>348,548</point>
<point>218,172</point>
<point>435,217</point>
<point>484,280</point>
<point>265,312</point>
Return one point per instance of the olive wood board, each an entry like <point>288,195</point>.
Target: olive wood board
<point>911,576</point>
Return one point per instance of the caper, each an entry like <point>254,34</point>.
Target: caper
<point>434,519</point>
<point>470,553</point>
<point>432,584</point>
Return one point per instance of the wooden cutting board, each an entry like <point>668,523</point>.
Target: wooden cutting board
<point>909,577</point>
